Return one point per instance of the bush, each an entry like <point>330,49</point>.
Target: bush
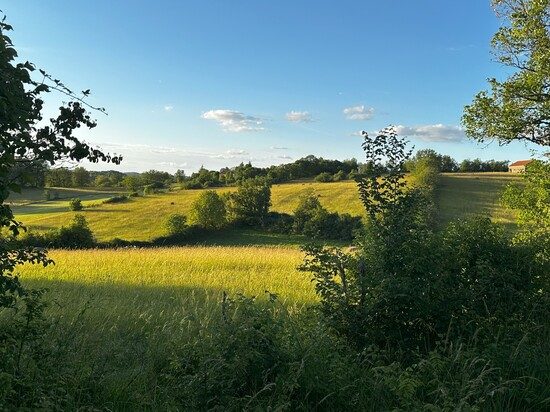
<point>313,220</point>
<point>279,222</point>
<point>425,173</point>
<point>75,204</point>
<point>176,224</point>
<point>209,211</point>
<point>149,190</point>
<point>76,235</point>
<point>116,199</point>
<point>324,177</point>
<point>339,176</point>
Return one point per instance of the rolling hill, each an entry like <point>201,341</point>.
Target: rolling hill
<point>142,219</point>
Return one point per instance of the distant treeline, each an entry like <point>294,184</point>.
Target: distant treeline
<point>322,170</point>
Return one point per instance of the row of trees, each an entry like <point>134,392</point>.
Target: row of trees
<point>447,164</point>
<point>38,174</point>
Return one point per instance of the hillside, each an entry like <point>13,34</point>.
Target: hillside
<point>142,218</point>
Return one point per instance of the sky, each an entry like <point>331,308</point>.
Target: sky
<point>217,83</point>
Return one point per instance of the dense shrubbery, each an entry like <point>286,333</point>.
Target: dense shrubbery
<point>76,235</point>
<point>176,224</point>
<point>118,199</point>
<point>324,177</point>
<point>314,221</point>
<point>76,204</point>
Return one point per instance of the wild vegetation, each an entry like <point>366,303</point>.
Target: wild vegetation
<point>424,312</point>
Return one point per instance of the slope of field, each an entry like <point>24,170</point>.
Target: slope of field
<point>463,194</point>
<point>143,218</point>
<point>33,201</point>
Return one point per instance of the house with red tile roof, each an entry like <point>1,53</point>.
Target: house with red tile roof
<point>519,166</point>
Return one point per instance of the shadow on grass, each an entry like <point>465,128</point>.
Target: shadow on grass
<point>458,198</point>
<point>232,236</point>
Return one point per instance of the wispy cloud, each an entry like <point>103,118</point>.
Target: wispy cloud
<point>168,108</point>
<point>278,148</point>
<point>237,152</point>
<point>299,117</point>
<point>433,132</point>
<point>359,112</point>
<point>140,157</point>
<point>233,121</point>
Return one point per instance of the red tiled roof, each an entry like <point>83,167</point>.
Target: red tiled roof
<point>521,163</point>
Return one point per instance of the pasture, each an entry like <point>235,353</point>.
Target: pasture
<point>142,219</point>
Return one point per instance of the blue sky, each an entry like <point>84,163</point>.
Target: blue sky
<point>214,83</point>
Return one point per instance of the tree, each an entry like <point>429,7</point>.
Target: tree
<point>179,176</point>
<point>59,177</point>
<point>132,183</point>
<point>209,211</point>
<point>517,108</point>
<point>80,177</point>
<point>25,138</point>
<point>250,203</point>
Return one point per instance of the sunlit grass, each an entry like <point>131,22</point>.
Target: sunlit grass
<point>143,218</point>
<point>249,270</point>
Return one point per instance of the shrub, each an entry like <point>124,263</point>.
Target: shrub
<point>149,190</point>
<point>313,220</point>
<point>339,176</point>
<point>116,199</point>
<point>76,235</point>
<point>209,211</point>
<point>407,287</point>
<point>425,173</point>
<point>279,222</point>
<point>324,177</point>
<point>307,206</point>
<point>250,203</point>
<point>176,224</point>
<point>75,204</point>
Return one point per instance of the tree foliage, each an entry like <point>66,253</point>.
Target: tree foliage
<point>250,203</point>
<point>531,202</point>
<point>25,138</point>
<point>209,211</point>
<point>518,107</point>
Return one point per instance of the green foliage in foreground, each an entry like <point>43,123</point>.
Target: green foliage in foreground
<point>517,108</point>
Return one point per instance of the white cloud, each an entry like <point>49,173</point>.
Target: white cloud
<point>168,108</point>
<point>299,117</point>
<point>278,148</point>
<point>233,121</point>
<point>237,152</point>
<point>359,113</point>
<point>285,157</point>
<point>432,132</point>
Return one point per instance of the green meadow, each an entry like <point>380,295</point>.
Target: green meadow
<point>142,218</point>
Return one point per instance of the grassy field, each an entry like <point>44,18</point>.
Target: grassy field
<point>178,270</point>
<point>119,313</point>
<point>143,218</point>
